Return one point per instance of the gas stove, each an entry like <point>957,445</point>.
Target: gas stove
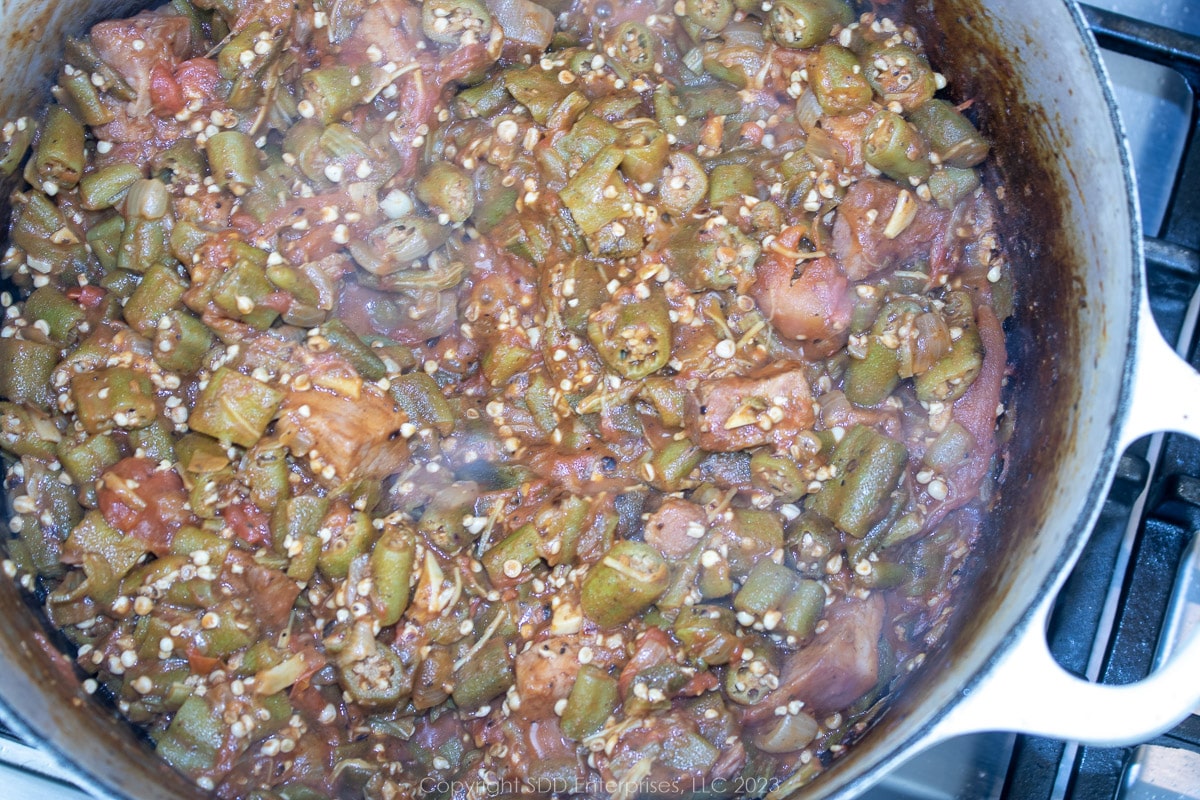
<point>1136,588</point>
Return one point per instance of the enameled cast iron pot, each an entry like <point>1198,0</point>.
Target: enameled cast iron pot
<point>1091,375</point>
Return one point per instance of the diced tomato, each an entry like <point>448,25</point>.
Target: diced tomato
<point>248,522</point>
<point>87,296</point>
<point>166,96</point>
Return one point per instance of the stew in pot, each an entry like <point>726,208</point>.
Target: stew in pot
<point>463,399</point>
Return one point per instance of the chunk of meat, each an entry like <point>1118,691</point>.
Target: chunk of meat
<point>347,427</point>
<point>738,412</point>
<point>676,527</point>
<point>810,302</point>
<point>859,240</point>
<point>135,46</point>
<point>836,668</point>
<point>546,672</point>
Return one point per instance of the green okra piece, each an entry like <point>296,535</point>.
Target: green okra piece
<point>449,190</point>
<point>779,475</point>
<point>802,609</point>
<point>950,134</point>
<point>265,470</point>
<point>394,245</point>
<point>456,21</point>
<point>15,139</point>
<point>626,581</point>
<point>105,187</point>
<point>117,397</point>
<point>758,533</point>
<point>949,378</point>
<point>536,89</point>
<point>870,380</point>
<point>182,162</point>
<point>61,314</point>
<point>155,441</point>
<point>25,372</point>
<point>593,699</point>
<point>86,458</point>
<point>347,542</point>
<point>585,139</point>
<point>713,256</point>
<point>895,148</point>
<point>867,466</point>
<point>442,521</point>
<point>235,408</point>
<point>230,58</point>
<point>347,344</point>
<point>805,23</point>
<point>185,240</point>
<point>233,160</point>
<point>144,239</point>
<point>765,588</point>
<point>684,184</point>
<point>82,53</point>
<point>507,559</point>
<point>422,400</point>
<point>297,518</point>
<point>160,291</point>
<point>493,200</point>
<point>483,100</point>
<point>567,111</point>
<point>839,85</point>
<point>645,148</point>
<point>540,400</point>
<point>635,46</point>
<point>708,634</point>
<point>730,182</point>
<point>200,454</point>
<point>633,339</point>
<point>195,735</point>
<point>711,15</point>
<point>668,398</point>
<point>900,75</point>
<point>559,528</point>
<point>240,292</point>
<point>434,673</point>
<point>486,675</point>
<point>334,91</point>
<point>60,158</point>
<point>181,341</point>
<point>669,466</point>
<point>391,565</point>
<point>504,361</point>
<point>597,195</point>
<point>303,563</point>
<point>950,449</point>
<point>84,96</point>
<point>951,185</point>
<point>26,431</point>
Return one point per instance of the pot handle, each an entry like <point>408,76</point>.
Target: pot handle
<point>1025,690</point>
<point>1165,388</point>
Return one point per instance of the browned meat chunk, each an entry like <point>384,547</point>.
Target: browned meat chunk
<point>863,239</point>
<point>134,47</point>
<point>808,303</point>
<point>676,528</point>
<point>836,668</point>
<point>545,674</point>
<point>348,432</point>
<point>735,413</point>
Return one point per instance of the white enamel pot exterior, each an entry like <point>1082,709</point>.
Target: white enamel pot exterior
<point>1092,374</point>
